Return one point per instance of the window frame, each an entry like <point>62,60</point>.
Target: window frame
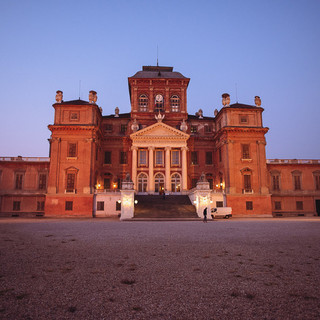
<point>194,159</point>
<point>19,180</point>
<point>123,157</point>
<point>209,160</point>
<point>175,103</point>
<point>140,152</point>
<point>109,153</point>
<point>174,153</point>
<point>72,150</point>
<point>143,105</point>
<point>156,158</point>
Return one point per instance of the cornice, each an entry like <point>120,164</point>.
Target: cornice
<point>53,127</point>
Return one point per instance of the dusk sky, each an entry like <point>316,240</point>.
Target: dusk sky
<point>265,48</point>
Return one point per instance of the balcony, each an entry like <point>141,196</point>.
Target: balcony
<point>70,191</point>
<point>293,161</point>
<point>29,159</point>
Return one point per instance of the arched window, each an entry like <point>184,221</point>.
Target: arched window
<point>159,182</point>
<point>142,182</point>
<point>175,182</point>
<point>175,103</point>
<point>158,103</point>
<point>143,103</point>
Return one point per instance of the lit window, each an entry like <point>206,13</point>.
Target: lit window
<point>175,103</point>
<point>194,129</point>
<point>175,157</point>
<point>175,182</point>
<point>143,103</point>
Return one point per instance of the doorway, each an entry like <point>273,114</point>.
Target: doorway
<point>159,182</point>
<point>318,207</point>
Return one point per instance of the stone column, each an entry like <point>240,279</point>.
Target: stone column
<point>151,181</point>
<point>168,166</point>
<point>134,167</point>
<point>184,169</point>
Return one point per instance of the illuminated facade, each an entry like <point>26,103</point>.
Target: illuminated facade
<point>164,149</point>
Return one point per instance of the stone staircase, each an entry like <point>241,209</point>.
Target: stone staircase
<point>170,207</point>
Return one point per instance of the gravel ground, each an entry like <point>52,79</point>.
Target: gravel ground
<point>102,269</point>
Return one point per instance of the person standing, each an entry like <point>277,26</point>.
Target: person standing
<point>205,211</point>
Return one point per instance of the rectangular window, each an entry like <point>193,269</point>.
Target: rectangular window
<point>194,129</point>
<point>71,177</point>
<point>16,205</point>
<point>108,128</point>
<point>245,151</point>
<point>209,157</point>
<point>40,205</point>
<point>100,205</point>
<point>249,205</point>
<point>42,181</point>
<point>159,158</point>
<point>107,157</point>
<point>107,183</point>
<point>194,157</point>
<point>123,157</point>
<point>210,183</point>
<point>297,182</point>
<point>299,205</point>
<point>175,157</point>
<point>219,204</point>
<point>123,128</point>
<point>19,180</point>
<point>69,205</point>
<point>142,157</point>
<point>72,150</point>
<point>277,205</point>
<point>247,182</point>
<point>275,182</point>
<point>118,206</point>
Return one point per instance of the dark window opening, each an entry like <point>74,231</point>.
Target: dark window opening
<point>69,205</point>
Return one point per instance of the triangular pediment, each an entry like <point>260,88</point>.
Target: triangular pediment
<point>160,131</point>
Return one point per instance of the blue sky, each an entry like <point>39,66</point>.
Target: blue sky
<point>266,48</point>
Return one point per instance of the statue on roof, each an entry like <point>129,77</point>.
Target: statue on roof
<point>59,96</point>
<point>226,99</point>
<point>93,96</point>
<point>257,101</point>
<point>116,112</point>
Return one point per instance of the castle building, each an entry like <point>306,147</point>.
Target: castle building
<point>163,149</point>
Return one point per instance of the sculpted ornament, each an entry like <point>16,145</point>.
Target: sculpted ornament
<point>159,117</point>
<point>135,126</point>
<point>200,114</point>
<point>257,101</point>
<point>59,96</point>
<point>93,96</point>
<point>216,112</point>
<point>116,112</point>
<point>183,126</point>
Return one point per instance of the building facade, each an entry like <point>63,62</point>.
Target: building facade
<point>164,149</point>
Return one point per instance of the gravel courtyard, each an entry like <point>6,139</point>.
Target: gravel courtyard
<point>103,269</point>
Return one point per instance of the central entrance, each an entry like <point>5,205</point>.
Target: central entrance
<point>159,182</point>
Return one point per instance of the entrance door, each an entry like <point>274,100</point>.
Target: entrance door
<point>175,183</point>
<point>159,182</point>
<point>318,207</point>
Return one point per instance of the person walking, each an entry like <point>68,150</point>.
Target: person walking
<point>205,211</point>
